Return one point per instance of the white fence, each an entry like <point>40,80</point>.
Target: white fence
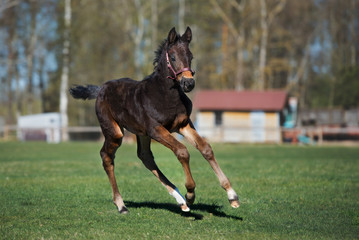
<point>313,134</point>
<point>76,133</point>
<point>49,134</point>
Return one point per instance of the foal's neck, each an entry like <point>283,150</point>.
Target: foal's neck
<point>161,80</point>
<point>164,84</point>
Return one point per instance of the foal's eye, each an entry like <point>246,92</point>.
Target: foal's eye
<point>173,59</point>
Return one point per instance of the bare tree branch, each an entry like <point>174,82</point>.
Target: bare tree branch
<point>277,9</point>
<point>225,18</point>
<point>5,4</point>
<point>238,6</point>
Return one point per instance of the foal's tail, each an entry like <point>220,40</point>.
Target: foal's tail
<point>84,92</point>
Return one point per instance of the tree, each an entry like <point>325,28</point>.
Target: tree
<point>28,29</point>
<point>308,48</point>
<point>238,35</point>
<point>10,17</point>
<point>266,21</point>
<point>30,45</point>
<point>65,71</point>
<point>348,83</point>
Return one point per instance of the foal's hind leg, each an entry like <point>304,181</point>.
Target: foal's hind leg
<point>113,139</point>
<point>108,155</point>
<point>145,154</point>
<point>192,136</point>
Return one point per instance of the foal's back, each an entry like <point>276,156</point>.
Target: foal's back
<point>121,100</point>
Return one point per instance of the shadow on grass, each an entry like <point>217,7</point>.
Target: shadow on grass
<point>211,209</point>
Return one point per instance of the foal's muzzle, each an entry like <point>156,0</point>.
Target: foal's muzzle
<point>187,84</point>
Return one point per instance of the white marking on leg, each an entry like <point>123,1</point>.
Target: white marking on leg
<point>233,198</point>
<point>232,195</point>
<point>180,199</point>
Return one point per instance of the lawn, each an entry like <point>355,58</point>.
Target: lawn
<point>60,191</point>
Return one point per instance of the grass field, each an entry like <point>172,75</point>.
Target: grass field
<point>61,192</point>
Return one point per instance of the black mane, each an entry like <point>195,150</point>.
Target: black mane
<point>158,52</point>
<point>160,49</point>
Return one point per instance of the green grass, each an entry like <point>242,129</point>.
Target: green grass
<point>61,192</point>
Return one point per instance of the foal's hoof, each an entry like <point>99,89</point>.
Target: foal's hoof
<point>234,203</point>
<point>233,198</point>
<point>185,208</point>
<point>190,198</point>
<point>123,210</point>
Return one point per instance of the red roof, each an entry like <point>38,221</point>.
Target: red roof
<point>240,100</point>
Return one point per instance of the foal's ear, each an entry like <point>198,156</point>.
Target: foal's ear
<point>172,35</point>
<point>187,36</point>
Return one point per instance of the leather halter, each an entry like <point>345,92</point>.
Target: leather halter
<point>173,71</point>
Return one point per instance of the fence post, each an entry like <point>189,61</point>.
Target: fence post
<point>320,135</point>
<point>6,132</point>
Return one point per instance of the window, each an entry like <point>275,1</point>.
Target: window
<point>218,118</point>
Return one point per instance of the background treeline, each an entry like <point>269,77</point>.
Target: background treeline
<point>308,48</point>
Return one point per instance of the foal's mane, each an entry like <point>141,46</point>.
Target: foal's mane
<point>159,51</point>
<point>162,47</point>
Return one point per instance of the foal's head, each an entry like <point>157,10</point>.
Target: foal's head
<point>178,59</point>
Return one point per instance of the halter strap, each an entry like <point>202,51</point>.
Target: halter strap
<point>173,71</point>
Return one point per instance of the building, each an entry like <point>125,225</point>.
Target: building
<point>240,116</point>
<point>40,127</point>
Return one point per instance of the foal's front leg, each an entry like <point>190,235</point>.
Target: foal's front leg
<point>145,154</point>
<point>193,137</point>
<point>161,135</point>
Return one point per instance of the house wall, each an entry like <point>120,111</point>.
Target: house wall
<point>46,127</point>
<point>205,121</point>
<point>240,126</point>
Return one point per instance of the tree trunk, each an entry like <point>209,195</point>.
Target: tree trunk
<point>42,82</point>
<point>11,15</point>
<point>263,46</point>
<point>138,37</point>
<point>65,72</point>
<point>224,50</point>
<point>154,20</point>
<point>30,48</point>
<point>238,36</point>
<point>9,76</point>
<point>18,95</point>
<point>181,13</point>
<point>239,70</point>
<point>353,34</point>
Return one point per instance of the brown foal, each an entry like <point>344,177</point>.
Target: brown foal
<point>152,109</point>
